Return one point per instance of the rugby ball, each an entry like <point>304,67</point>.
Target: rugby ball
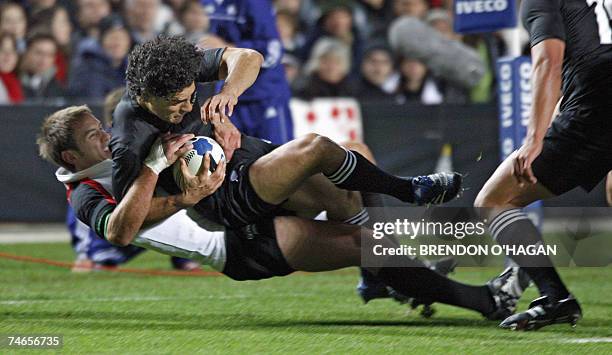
<point>195,156</point>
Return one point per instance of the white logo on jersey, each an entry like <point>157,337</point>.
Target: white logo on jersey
<point>603,11</point>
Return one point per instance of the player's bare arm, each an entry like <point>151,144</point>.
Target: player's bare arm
<point>135,208</point>
<point>227,135</point>
<point>129,215</point>
<point>546,81</point>
<point>139,207</point>
<point>239,69</point>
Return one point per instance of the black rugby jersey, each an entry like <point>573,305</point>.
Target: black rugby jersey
<point>586,28</point>
<point>135,129</point>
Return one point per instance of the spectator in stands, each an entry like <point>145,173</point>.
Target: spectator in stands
<point>34,6</point>
<point>148,18</point>
<point>55,20</point>
<point>328,70</point>
<point>414,8</point>
<point>293,68</point>
<point>377,17</point>
<point>176,6</point>
<point>90,13</point>
<point>290,6</point>
<point>140,16</point>
<point>13,20</point>
<point>194,20</point>
<point>10,86</point>
<point>442,22</point>
<point>378,79</point>
<point>37,72</point>
<point>417,85</point>
<point>99,66</point>
<point>337,21</point>
<point>289,33</point>
<point>306,12</point>
<point>111,100</point>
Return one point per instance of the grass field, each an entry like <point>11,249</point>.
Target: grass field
<point>105,312</point>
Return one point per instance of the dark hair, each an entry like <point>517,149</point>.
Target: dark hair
<point>186,6</point>
<point>37,36</point>
<point>162,67</point>
<point>110,23</point>
<point>43,18</point>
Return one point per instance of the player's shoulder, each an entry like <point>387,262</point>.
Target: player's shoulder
<point>86,191</point>
<point>130,127</point>
<point>539,7</point>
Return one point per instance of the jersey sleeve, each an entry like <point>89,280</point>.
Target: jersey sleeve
<point>93,207</point>
<point>126,168</point>
<point>543,20</point>
<point>210,65</point>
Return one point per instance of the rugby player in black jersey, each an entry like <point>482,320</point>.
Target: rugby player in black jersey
<point>74,139</point>
<point>571,49</point>
<point>264,180</point>
<point>311,173</point>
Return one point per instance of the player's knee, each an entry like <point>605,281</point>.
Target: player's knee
<point>362,149</point>
<point>485,200</point>
<point>315,145</point>
<point>345,203</point>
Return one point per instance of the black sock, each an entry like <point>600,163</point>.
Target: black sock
<point>362,219</point>
<point>356,173</point>
<point>359,219</point>
<point>513,228</point>
<point>414,279</point>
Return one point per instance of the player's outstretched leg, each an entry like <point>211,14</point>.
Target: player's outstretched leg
<point>278,174</point>
<point>501,199</point>
<point>318,246</point>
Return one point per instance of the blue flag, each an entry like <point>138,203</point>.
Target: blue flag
<point>472,16</point>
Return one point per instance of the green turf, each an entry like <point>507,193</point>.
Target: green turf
<point>305,313</point>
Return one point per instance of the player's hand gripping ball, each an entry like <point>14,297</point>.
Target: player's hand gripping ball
<point>195,157</point>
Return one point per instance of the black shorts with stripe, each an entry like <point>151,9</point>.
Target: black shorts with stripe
<point>253,253</point>
<point>577,151</point>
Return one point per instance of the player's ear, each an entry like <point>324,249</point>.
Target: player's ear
<point>69,156</point>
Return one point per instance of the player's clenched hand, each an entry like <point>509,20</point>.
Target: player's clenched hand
<point>200,185</point>
<point>175,145</point>
<point>521,164</point>
<point>166,150</point>
<point>222,104</point>
<point>227,135</point>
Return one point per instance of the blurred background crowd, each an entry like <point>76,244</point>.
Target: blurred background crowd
<point>67,49</point>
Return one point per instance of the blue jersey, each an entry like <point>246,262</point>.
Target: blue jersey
<point>252,24</point>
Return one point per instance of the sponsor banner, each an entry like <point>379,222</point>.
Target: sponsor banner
<point>473,16</point>
<point>515,99</point>
<point>337,118</point>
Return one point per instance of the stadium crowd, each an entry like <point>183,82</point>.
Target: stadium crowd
<point>58,49</point>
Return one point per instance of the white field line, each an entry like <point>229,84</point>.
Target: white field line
<point>587,340</point>
<point>18,233</point>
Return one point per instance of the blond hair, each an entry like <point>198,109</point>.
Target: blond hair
<point>57,134</point>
